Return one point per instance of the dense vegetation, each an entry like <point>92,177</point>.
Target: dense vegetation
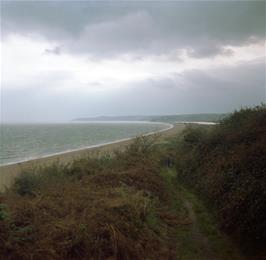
<point>134,204</point>
<point>108,207</point>
<point>226,164</point>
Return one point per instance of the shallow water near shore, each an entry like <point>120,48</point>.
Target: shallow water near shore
<point>31,141</point>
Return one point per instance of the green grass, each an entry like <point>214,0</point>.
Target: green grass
<point>187,246</point>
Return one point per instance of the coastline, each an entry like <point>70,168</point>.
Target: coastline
<point>9,172</point>
<point>94,145</point>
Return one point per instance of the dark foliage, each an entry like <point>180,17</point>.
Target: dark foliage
<point>226,164</point>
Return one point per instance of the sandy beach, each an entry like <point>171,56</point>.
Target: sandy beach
<point>9,172</point>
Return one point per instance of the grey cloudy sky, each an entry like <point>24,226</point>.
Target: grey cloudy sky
<point>67,59</point>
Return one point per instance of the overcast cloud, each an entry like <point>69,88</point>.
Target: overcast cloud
<point>62,60</point>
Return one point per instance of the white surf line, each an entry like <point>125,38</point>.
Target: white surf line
<point>197,122</point>
<point>170,126</point>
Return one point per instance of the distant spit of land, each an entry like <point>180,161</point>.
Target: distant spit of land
<point>207,117</point>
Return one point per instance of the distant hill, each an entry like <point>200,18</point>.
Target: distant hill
<point>189,117</point>
<point>210,117</point>
<point>114,118</point>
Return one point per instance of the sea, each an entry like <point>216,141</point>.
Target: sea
<point>23,142</point>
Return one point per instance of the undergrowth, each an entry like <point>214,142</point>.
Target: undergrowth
<point>106,207</point>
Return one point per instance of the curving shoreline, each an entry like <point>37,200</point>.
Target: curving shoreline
<point>11,171</point>
<point>92,146</point>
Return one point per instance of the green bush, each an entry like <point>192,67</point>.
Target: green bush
<point>27,183</point>
<point>3,212</point>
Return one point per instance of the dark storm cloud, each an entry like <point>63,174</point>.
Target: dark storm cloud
<point>209,51</point>
<point>60,87</point>
<point>106,29</point>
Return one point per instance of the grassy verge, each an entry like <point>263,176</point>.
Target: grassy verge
<point>198,236</point>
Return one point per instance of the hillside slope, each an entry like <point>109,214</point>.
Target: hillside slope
<point>139,203</point>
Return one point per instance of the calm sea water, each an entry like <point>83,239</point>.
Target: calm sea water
<point>25,142</point>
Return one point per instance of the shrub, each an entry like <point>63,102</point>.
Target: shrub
<point>27,183</point>
<point>3,212</point>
